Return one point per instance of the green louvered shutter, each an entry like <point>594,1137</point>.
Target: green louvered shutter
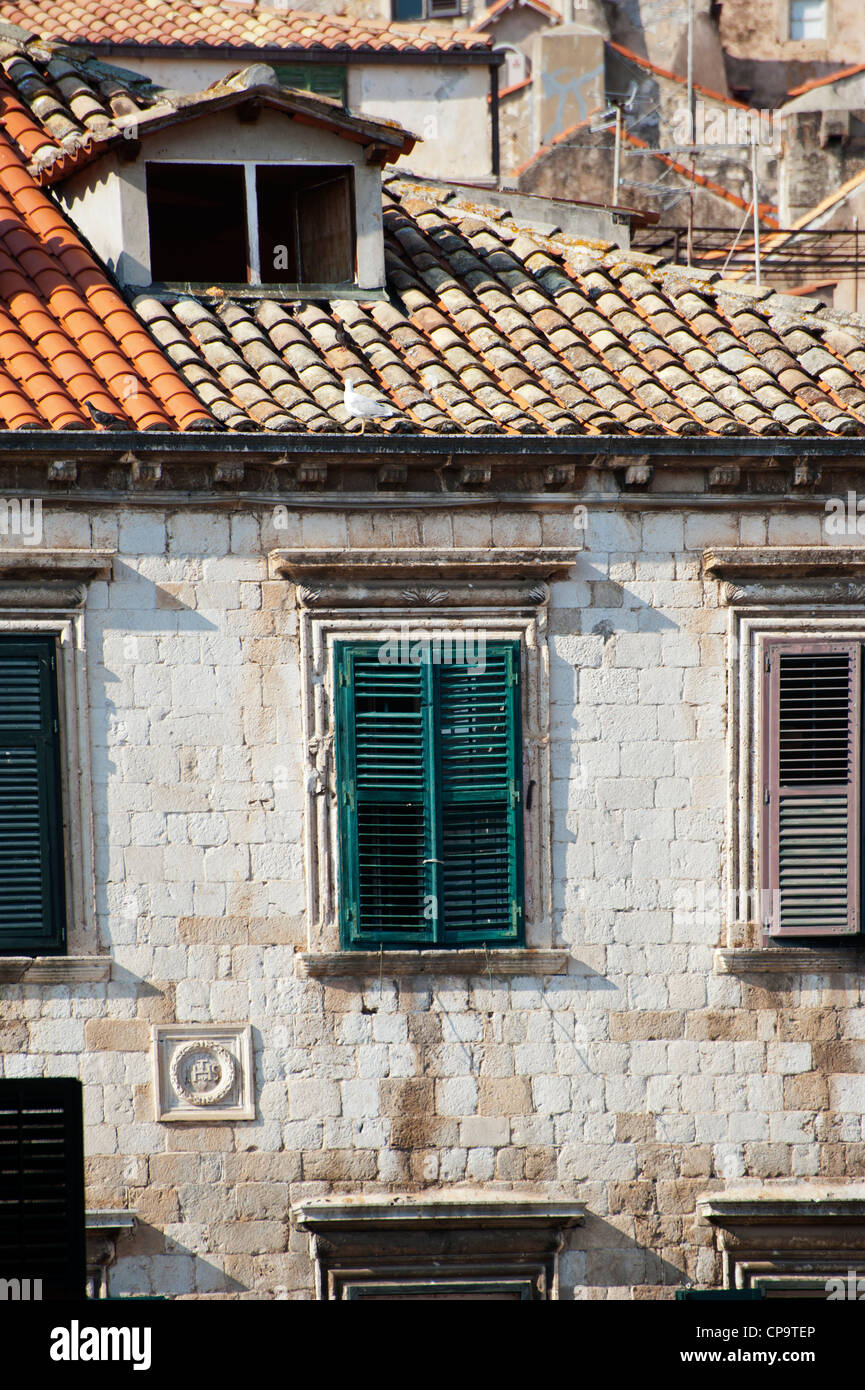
<point>480,797</point>
<point>383,723</point>
<point>812,788</point>
<point>31,857</point>
<point>323,79</point>
<point>428,772</point>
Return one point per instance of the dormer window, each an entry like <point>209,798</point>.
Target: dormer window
<point>255,224</point>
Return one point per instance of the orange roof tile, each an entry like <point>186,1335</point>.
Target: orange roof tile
<point>162,23</point>
<point>59,354</point>
<point>491,327</point>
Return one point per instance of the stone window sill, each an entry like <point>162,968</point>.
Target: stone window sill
<point>314,964</point>
<point>54,970</point>
<point>790,960</point>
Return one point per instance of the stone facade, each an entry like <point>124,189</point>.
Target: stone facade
<point>635,1080</point>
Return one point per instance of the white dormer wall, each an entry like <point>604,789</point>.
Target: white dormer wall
<point>108,199</point>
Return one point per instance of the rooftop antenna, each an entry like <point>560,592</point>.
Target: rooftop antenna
<point>692,130</point>
<point>755,198</point>
<point>612,116</point>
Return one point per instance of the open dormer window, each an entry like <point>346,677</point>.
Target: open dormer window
<point>251,223</point>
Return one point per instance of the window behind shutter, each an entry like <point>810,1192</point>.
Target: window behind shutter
<point>42,1184</point>
<point>480,796</point>
<point>31,858</point>
<point>812,762</point>
<point>429,780</point>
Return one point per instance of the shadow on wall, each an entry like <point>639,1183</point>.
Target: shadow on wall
<point>605,1257</point>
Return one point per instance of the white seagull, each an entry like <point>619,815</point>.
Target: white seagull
<point>362,408</point>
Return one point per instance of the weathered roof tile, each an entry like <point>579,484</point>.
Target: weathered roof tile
<point>489,327</point>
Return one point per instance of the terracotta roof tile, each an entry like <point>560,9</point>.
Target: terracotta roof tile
<point>61,357</point>
<point>161,23</point>
<point>489,327</point>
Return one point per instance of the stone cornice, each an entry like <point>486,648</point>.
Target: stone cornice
<point>457,1209</point>
<point>422,562</point>
<point>54,970</point>
<point>36,563</point>
<point>773,562</point>
<point>789,960</point>
<point>373,964</point>
<point>772,1206</point>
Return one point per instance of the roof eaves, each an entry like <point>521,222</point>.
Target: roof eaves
<point>79,444</point>
<point>421,53</point>
<point>388,139</point>
<point>826,81</point>
<point>501,6</point>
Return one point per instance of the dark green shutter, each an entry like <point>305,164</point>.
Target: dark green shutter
<point>812,788</point>
<point>31,837</point>
<point>384,798</point>
<point>478,723</point>
<point>42,1185</point>
<point>324,79</point>
<point>429,779</point>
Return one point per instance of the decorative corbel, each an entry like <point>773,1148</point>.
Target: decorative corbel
<point>225,473</point>
<point>63,471</point>
<point>312,474</point>
<point>806,474</point>
<point>143,472</point>
<point>559,476</point>
<point>638,475</point>
<point>391,475</point>
<point>725,475</point>
<point>475,475</point>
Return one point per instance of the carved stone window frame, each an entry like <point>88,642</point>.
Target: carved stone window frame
<point>103,1229</point>
<point>772,592</point>
<point>374,596</point>
<point>44,593</point>
<point>788,1236</point>
<point>376,1244</point>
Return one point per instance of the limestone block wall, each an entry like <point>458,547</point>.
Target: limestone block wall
<point>633,1082</point>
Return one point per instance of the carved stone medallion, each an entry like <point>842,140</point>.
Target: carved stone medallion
<point>203,1072</point>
